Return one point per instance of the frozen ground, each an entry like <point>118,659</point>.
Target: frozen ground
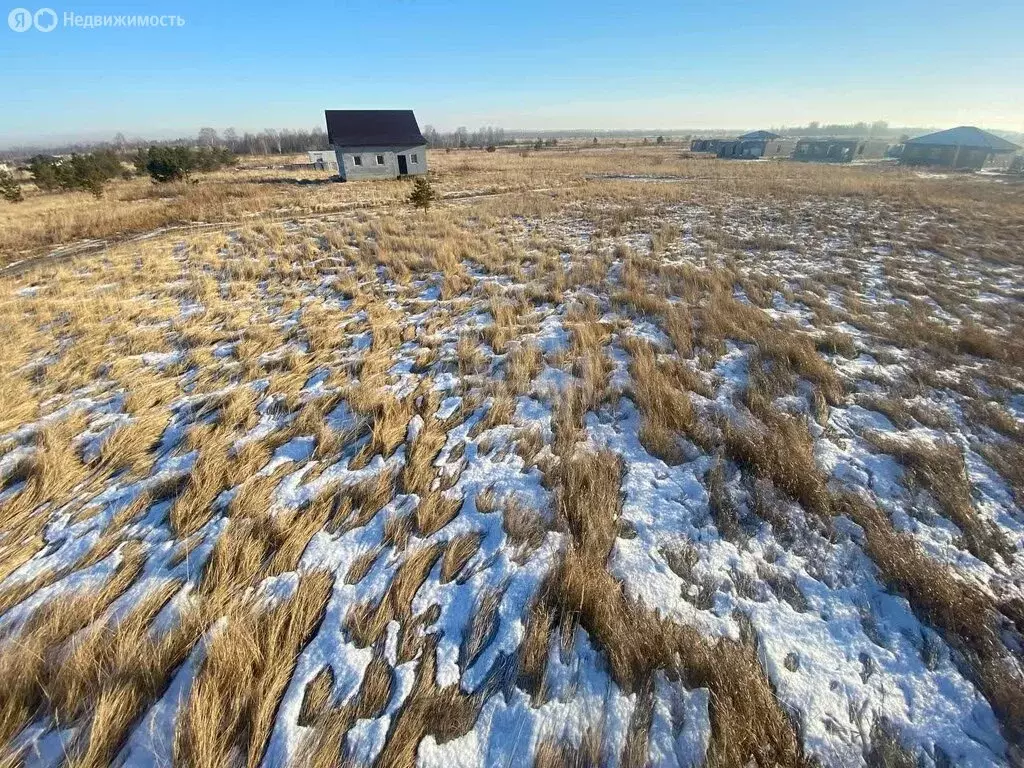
<point>379,418</point>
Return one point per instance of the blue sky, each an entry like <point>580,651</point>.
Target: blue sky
<point>594,64</point>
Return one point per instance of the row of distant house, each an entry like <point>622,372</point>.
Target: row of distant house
<point>962,148</point>
<point>387,143</point>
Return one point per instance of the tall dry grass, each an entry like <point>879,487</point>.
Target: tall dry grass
<point>289,321</point>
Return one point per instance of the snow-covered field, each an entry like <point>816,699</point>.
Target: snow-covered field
<point>621,478</point>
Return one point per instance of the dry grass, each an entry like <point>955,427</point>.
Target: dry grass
<point>435,511</point>
<point>226,409</point>
<point>780,449</point>
<point>326,742</point>
<point>523,363</point>
<point>458,554</point>
<point>210,475</point>
<point>940,469</point>
<point>722,507</point>
<point>747,722</point>
<point>662,395</point>
<point>390,422</point>
<point>949,603</point>
<point>443,712</point>
<point>960,610</point>
<point>525,528</point>
<point>33,668</point>
<point>366,622</point>
<point>419,473</point>
<point>1008,459</point>
<point>248,663</point>
<point>49,476</point>
<point>481,627</point>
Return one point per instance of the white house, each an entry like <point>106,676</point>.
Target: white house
<point>376,143</point>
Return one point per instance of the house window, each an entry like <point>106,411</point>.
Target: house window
<point>380,159</point>
<point>357,160</point>
<point>414,159</point>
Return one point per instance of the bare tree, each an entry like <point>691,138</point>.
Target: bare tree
<point>273,140</point>
<point>208,137</point>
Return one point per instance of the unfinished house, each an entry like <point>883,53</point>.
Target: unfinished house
<point>376,143</point>
<point>707,145</point>
<point>756,145</point>
<point>323,159</point>
<point>961,148</point>
<point>839,150</point>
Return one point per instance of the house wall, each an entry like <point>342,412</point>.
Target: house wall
<point>323,159</point>
<point>871,150</point>
<point>835,151</point>
<point>349,171</point>
<point>972,159</point>
<point>326,159</point>
<point>753,149</point>
<point>707,145</point>
<point>746,149</point>
<point>779,148</point>
<point>1005,161</point>
<point>729,148</point>
<point>944,156</point>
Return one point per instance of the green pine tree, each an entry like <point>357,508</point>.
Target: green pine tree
<point>422,193</point>
<point>10,190</point>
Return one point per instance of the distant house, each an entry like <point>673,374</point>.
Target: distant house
<point>707,145</point>
<point>839,150</point>
<point>758,144</point>
<point>964,147</point>
<point>376,143</point>
<point>323,159</point>
<point>753,145</point>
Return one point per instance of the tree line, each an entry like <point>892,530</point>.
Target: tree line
<point>289,141</point>
<point>90,172</point>
<point>266,142</point>
<point>879,129</point>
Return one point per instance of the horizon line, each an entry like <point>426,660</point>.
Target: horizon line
<point>55,142</point>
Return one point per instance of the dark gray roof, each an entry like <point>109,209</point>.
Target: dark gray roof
<point>966,136</point>
<point>760,135</point>
<point>372,128</point>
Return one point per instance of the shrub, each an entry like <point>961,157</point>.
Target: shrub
<point>213,158</point>
<point>166,164</point>
<point>79,172</point>
<point>422,193</point>
<point>491,148</point>
<point>139,160</point>
<point>44,172</point>
<point>10,190</point>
